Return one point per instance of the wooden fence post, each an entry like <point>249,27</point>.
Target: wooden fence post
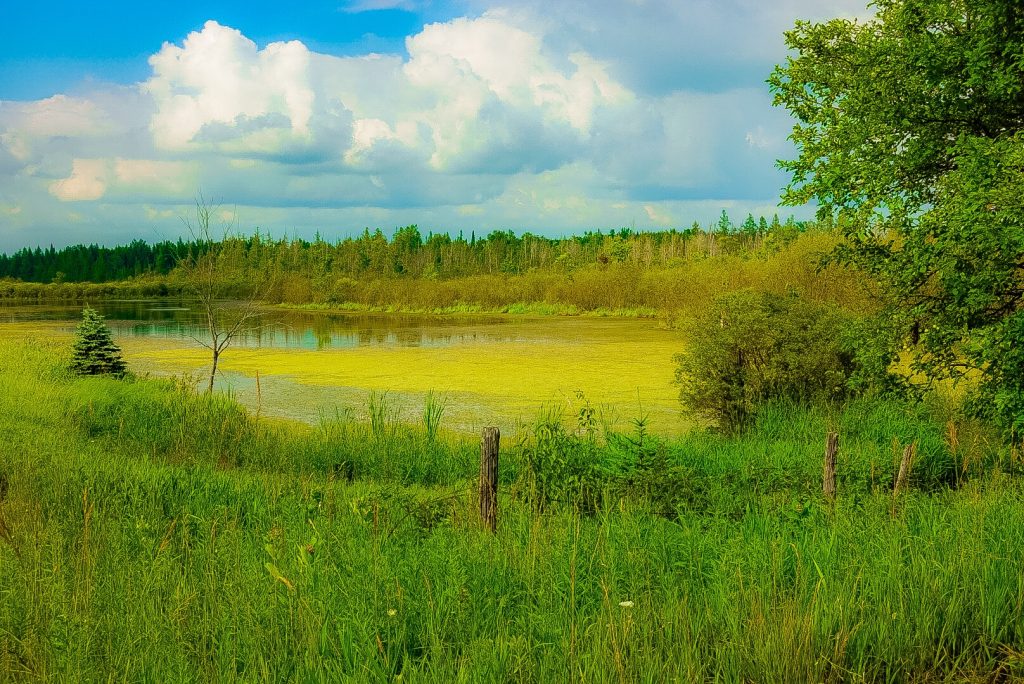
<point>828,477</point>
<point>906,463</point>
<point>489,477</point>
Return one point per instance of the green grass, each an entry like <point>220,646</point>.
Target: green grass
<point>150,534</point>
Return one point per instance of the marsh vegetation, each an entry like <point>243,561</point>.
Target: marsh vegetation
<point>150,532</point>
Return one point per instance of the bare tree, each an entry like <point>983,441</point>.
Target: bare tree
<point>227,311</point>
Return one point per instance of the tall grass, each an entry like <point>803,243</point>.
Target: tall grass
<point>147,533</point>
<point>433,411</point>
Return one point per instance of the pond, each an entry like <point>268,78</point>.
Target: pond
<point>503,370</point>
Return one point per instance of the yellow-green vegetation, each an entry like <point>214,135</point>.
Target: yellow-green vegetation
<point>660,274</point>
<point>670,285</point>
<point>145,286</point>
<point>497,371</point>
<point>150,533</point>
<point>623,368</point>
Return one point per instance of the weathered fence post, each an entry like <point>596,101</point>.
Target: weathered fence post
<point>489,477</point>
<point>905,465</point>
<point>828,476</point>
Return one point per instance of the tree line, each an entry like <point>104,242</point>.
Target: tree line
<point>407,253</point>
<point>93,263</point>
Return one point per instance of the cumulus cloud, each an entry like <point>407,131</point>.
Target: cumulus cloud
<point>660,46</point>
<point>88,181</point>
<point>531,115</point>
<point>218,76</point>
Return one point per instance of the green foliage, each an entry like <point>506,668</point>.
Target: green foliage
<point>751,347</point>
<point>94,351</point>
<point>911,138</point>
<point>371,255</point>
<point>560,467</point>
<point>80,263</point>
<point>642,275</point>
<point>151,534</point>
<point>145,286</point>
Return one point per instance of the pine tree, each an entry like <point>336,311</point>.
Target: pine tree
<point>94,352</point>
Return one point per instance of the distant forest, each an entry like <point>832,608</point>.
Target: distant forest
<point>408,253</point>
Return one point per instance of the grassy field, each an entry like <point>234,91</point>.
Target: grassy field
<point>148,534</point>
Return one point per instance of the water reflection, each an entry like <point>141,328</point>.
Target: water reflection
<point>180,319</point>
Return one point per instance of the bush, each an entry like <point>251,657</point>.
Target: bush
<point>562,467</point>
<point>999,395</point>
<point>94,351</point>
<point>750,347</point>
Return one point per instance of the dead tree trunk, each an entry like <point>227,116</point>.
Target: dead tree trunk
<point>489,442</point>
<point>828,477</point>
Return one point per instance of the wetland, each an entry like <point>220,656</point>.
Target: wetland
<point>501,369</point>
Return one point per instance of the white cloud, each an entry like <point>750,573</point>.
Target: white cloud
<point>659,46</point>
<point>658,217</point>
<point>490,78</point>
<point>368,133</point>
<point>173,177</point>
<point>16,145</point>
<point>88,181</point>
<point>219,76</point>
<point>60,115</point>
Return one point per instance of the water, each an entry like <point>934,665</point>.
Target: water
<point>493,369</point>
<point>183,319</point>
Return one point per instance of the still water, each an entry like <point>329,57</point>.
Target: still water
<point>490,369</point>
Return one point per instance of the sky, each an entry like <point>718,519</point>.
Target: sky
<point>549,116</point>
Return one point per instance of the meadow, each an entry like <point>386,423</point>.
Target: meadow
<point>151,533</point>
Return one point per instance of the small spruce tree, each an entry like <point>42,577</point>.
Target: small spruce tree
<point>94,352</point>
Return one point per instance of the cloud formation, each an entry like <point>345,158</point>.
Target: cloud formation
<point>550,117</point>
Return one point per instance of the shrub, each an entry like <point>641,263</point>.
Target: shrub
<point>94,351</point>
<point>750,347</point>
<point>562,467</point>
<point>999,394</point>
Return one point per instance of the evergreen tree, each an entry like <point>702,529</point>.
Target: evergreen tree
<point>94,352</point>
<point>750,225</point>
<point>724,223</point>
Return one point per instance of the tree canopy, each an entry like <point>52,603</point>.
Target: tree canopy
<point>910,133</point>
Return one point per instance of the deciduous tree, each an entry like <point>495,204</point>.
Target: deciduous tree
<point>910,132</point>
<point>228,306</point>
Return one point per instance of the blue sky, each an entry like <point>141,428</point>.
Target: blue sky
<point>111,41</point>
<point>334,116</point>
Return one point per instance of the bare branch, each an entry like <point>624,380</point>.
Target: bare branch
<point>205,271</point>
